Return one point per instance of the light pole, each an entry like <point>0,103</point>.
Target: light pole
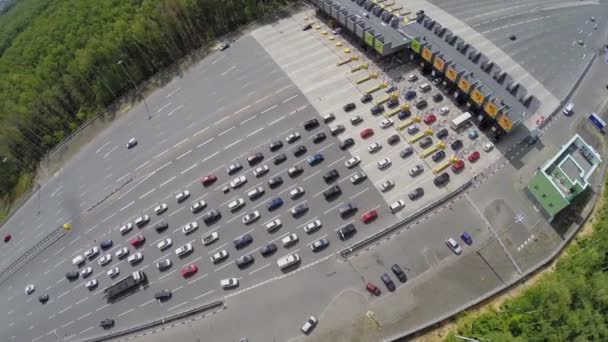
<point>124,69</point>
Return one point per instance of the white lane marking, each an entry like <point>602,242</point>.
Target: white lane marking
<point>126,312</point>
<point>37,338</point>
<point>51,317</point>
<point>168,274</point>
<point>277,120</point>
<point>204,294</point>
<point>289,99</point>
<point>337,161</point>
<point>85,330</point>
<point>78,251</point>
<point>280,90</point>
<point>54,192</point>
<point>163,107</point>
<point>59,281</point>
<point>247,120</point>
<point>81,317</point>
<point>219,59</point>
<point>190,168</point>
<point>147,193</point>
<point>177,306</point>
<point>222,120</point>
<point>142,165</point>
<point>201,131</point>
<point>268,109</point>
<point>242,109</point>
<point>254,132</point>
<point>160,168</point>
<point>211,156</point>
<point>101,148</point>
<point>234,143</point>
<point>88,230</point>
<point>181,142</point>
<point>178,288</point>
<point>64,310</point>
<point>301,108</point>
<point>218,248</point>
<point>177,211</point>
<point>59,251</point>
<point>123,177</point>
<point>146,303</point>
<point>332,208</point>
<point>224,266</point>
<point>173,92</point>
<point>175,110</point>
<point>262,99</point>
<point>110,151</point>
<point>51,332</point>
<point>515,24</point>
<point>80,301</point>
<point>309,177</point>
<point>28,314</point>
<point>204,143</point>
<point>184,154</point>
<point>197,279</point>
<point>229,70</point>
<point>359,193</point>
<point>65,325</point>
<point>102,307</point>
<point>167,181</point>
<point>319,238</point>
<point>160,154</point>
<point>61,262</point>
<point>130,204</point>
<point>226,131</point>
<point>259,269</point>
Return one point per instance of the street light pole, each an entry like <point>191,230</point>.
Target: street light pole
<point>124,69</point>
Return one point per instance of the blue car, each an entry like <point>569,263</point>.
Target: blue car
<point>274,203</point>
<point>315,159</point>
<point>409,95</point>
<point>466,237</point>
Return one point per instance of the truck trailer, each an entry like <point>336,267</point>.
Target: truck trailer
<point>124,286</point>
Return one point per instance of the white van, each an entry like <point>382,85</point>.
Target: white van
<point>568,109</point>
<point>288,260</point>
<point>424,87</point>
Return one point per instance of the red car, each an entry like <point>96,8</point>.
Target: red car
<point>429,119</point>
<point>473,156</point>
<point>7,237</point>
<point>373,289</point>
<point>188,270</point>
<point>369,216</point>
<point>209,179</point>
<point>457,166</point>
<point>366,133</point>
<point>137,240</point>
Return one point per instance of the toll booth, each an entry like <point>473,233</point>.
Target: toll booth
<point>466,84</point>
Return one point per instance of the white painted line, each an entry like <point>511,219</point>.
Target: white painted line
<point>204,294</point>
<point>167,181</point>
<point>224,266</point>
<point>142,165</point>
<point>242,109</point>
<point>59,251</point>
<point>234,143</point>
<point>128,205</point>
<point>65,325</point>
<point>146,303</point>
<point>160,154</point>
<point>51,317</point>
<point>85,330</point>
<point>166,275</point>
<point>123,177</point>
<point>211,156</point>
<point>80,301</point>
<point>88,230</point>
<point>184,154</point>
<point>64,310</point>
<point>147,193</point>
<point>126,312</point>
<point>254,132</point>
<point>51,332</point>
<point>109,217</point>
<point>219,59</point>
<point>280,90</point>
<point>289,99</point>
<point>245,121</point>
<point>262,99</point>
<point>359,193</point>
<point>112,150</point>
<point>218,248</point>
<point>222,120</point>
<point>37,338</point>
<point>177,306</point>
<point>204,143</point>
<point>160,168</point>
<point>226,131</point>
<point>28,314</point>
<point>201,131</point>
<point>302,108</point>
<point>277,120</point>
<point>189,168</point>
<point>102,307</point>
<point>101,148</point>
<point>314,174</point>
<point>173,92</point>
<point>81,317</point>
<point>177,211</point>
<point>177,288</point>
<point>59,281</point>
<point>332,208</point>
<point>181,142</point>
<point>230,69</point>
<point>259,269</point>
<point>163,107</point>
<point>175,110</point>
<point>197,279</point>
<point>268,109</point>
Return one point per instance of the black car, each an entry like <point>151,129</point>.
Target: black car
<point>437,97</point>
<point>416,193</point>
<point>410,94</point>
<point>279,159</point>
<point>275,182</point>
<point>349,107</point>
<point>375,110</point>
<point>388,282</point>
<point>366,98</point>
<point>393,139</point>
<point>311,124</point>
<point>275,145</point>
<point>421,104</point>
<point>72,275</point>
<point>212,216</point>
<point>347,143</point>
<point>268,250</point>
<point>404,114</point>
<point>456,144</point>
<point>437,156</point>
<point>442,133</point>
<point>295,171</point>
<point>331,175</point>
<point>306,27</point>
<point>399,273</point>
<point>299,210</point>
<point>425,142</point>
<point>162,295</point>
<point>406,152</point>
<point>319,137</point>
<point>392,103</point>
<point>347,231</point>
<point>442,179</point>
<point>300,150</point>
<point>255,158</point>
<point>106,323</point>
<point>161,226</point>
<point>244,261</point>
<point>242,241</point>
<point>347,210</point>
<point>332,192</point>
<point>43,298</point>
<point>105,244</point>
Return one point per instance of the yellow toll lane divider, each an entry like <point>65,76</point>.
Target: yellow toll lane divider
<point>432,149</point>
<point>386,98</point>
<point>445,165</point>
<point>408,122</point>
<point>421,135</point>
<point>376,88</point>
<point>398,8</point>
<point>359,68</point>
<point>396,110</point>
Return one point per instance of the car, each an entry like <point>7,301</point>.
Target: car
<point>255,158</point>
<point>456,144</point>
<point>416,193</point>
<point>29,289</point>
<point>366,98</point>
<point>437,156</point>
<point>487,147</point>
<point>273,225</point>
<point>347,210</point>
<point>369,216</point>
<point>255,193</point>
<point>437,97</point>
<point>275,182</point>
<point>404,113</point>
<point>312,226</point>
<point>78,260</point>
<point>190,227</point>
<point>375,110</point>
<point>104,259</point>
<point>373,289</point>
<point>352,162</point>
<point>437,81</point>
<point>409,95</point>
<point>442,179</point>
<point>188,270</point>
<point>358,178</point>
<point>106,244</point>
<point>142,221</point>
<point>344,233</point>
<point>388,282</point>
<point>406,152</point>
<point>396,206</point>
<point>208,180</point>
<point>374,147</point>
<point>183,250</point>
<point>163,264</point>
<point>160,226</point>
<point>91,284</point>
<point>271,205</point>
<point>268,249</point>
<point>444,110</point>
<point>137,240</point>
<point>299,210</point>
<point>238,181</point>
<point>161,208</point>
<point>234,168</point>
<point>209,238</point>
<point>442,133</point>
<point>299,151</point>
<point>125,228</point>
<point>292,137</point>
<point>355,120</point>
<point>113,272</point>
<point>242,241</point>
<point>412,129</point>
<point>121,253</point>
<point>425,142</point>
<point>393,139</point>
<point>430,118</point>
<point>472,134</point>
<point>182,196</point>
<point>229,283</point>
<point>253,216</point>
<point>315,159</point>
<point>164,244</point>
<point>399,273</point>
<point>387,185</point>
<point>131,143</point>
<point>43,298</point>
<point>349,107</point>
<point>319,137</point>
<point>244,261</point>
<point>466,237</point>
<point>296,192</point>
<point>311,124</point>
<point>331,176</point>
<point>392,102</point>
<point>135,258</point>
<point>384,163</point>
<point>87,271</point>
<point>71,275</point>
<point>260,171</point>
<point>457,166</point>
<point>344,145</point>
<point>236,204</point>
<point>421,104</point>
<point>275,145</point>
<point>337,129</point>
<point>106,323</point>
<point>211,216</point>
<point>473,156</point>
<point>453,245</point>
<point>279,158</point>
<point>162,295</point>
<point>390,89</point>
<point>366,133</point>
<point>309,325</point>
<point>332,192</point>
<point>198,206</point>
<point>327,118</point>
<point>412,78</point>
<point>319,245</point>
<point>416,170</point>
<point>307,27</point>
<point>224,46</point>
<point>386,123</point>
<point>91,252</point>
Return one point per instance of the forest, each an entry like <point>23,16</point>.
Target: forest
<point>58,62</point>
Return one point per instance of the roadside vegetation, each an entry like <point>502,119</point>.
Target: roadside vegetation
<point>58,63</point>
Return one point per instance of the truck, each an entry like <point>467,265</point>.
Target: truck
<point>124,286</point>
<point>288,260</point>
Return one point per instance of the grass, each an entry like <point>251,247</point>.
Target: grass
<point>23,186</point>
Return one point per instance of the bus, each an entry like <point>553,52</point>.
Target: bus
<point>460,121</point>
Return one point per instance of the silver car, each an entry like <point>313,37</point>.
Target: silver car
<point>105,259</point>
<point>219,256</point>
<point>416,170</point>
<point>247,219</point>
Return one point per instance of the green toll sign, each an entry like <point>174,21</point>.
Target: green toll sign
<point>369,38</point>
<point>379,46</point>
<point>415,46</point>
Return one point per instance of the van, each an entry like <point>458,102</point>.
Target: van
<point>424,87</point>
<point>568,109</point>
<point>288,260</point>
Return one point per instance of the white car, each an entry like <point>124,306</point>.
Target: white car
<point>453,245</point>
<point>358,177</point>
<point>229,283</point>
<point>161,208</point>
<point>29,289</point>
<point>135,258</point>
<point>412,78</point>
<point>131,143</point>
<point>260,171</point>
<point>273,225</point>
<point>310,323</point>
<point>78,260</point>
<point>488,147</point>
<point>384,163</point>
<point>181,196</point>
<point>416,170</point>
<point>386,123</point>
<point>233,168</point>
<point>255,193</point>
<point>166,243</point>
<point>180,251</point>
<point>125,228</point>
<point>289,240</point>
<point>86,272</point>
<point>387,185</point>
<point>91,284</point>
<point>198,206</point>
<point>292,137</point>
<point>219,256</point>
<point>105,259</point>
<point>190,227</point>
<point>113,272</point>
<point>444,110</point>
<point>312,226</point>
<point>236,204</point>
<point>247,219</point>
<point>210,238</point>
<point>356,120</point>
<point>142,220</point>
<point>352,162</point>
<point>373,147</point>
<point>395,207</point>
<point>121,253</point>
<point>238,181</point>
<point>297,192</point>
<point>91,252</point>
